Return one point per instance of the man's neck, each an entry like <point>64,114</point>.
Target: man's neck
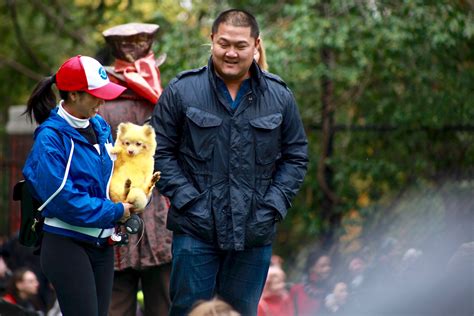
<point>234,85</point>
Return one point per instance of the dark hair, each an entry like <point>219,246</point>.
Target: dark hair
<point>236,17</point>
<point>314,257</point>
<point>41,100</point>
<point>16,277</point>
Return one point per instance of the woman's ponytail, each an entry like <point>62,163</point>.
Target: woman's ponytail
<point>42,100</point>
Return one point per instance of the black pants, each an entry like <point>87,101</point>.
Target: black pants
<point>81,273</point>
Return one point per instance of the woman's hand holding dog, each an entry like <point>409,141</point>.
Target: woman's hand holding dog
<point>127,210</point>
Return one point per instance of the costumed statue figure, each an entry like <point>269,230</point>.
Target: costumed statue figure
<point>146,258</point>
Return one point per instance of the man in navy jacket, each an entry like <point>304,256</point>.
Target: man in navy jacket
<point>233,153</point>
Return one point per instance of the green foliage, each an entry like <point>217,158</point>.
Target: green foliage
<point>405,67</point>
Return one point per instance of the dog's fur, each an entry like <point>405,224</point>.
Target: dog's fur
<point>133,179</point>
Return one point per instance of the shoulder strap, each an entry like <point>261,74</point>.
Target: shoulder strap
<point>66,173</point>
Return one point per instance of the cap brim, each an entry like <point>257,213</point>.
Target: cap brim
<point>108,92</point>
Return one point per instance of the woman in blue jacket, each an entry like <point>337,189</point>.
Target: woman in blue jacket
<point>68,170</point>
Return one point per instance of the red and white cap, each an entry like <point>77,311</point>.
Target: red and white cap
<point>83,73</point>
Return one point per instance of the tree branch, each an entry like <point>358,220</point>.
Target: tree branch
<point>20,68</point>
<point>21,41</point>
<point>58,21</point>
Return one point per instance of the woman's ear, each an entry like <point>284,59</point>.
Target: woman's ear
<point>73,95</point>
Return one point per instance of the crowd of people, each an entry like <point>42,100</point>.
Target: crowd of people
<point>390,281</point>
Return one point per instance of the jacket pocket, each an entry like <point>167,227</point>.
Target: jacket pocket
<point>199,219</point>
<point>202,133</point>
<point>260,228</point>
<point>267,135</point>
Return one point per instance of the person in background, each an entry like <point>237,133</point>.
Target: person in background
<point>261,56</point>
<point>68,170</point>
<point>146,259</point>
<point>22,288</point>
<point>276,261</point>
<point>233,153</point>
<point>18,256</point>
<point>5,275</point>
<point>213,307</point>
<point>308,296</point>
<point>335,301</point>
<point>275,300</point>
<point>357,273</point>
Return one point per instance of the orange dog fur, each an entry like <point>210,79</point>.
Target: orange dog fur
<point>133,179</point>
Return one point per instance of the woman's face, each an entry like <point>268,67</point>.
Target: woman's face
<point>321,269</point>
<point>83,105</point>
<point>29,285</point>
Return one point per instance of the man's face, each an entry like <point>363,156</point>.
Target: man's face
<point>233,50</point>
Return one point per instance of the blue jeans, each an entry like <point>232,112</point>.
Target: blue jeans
<point>201,271</point>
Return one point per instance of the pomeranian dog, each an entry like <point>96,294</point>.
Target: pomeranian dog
<point>133,179</point>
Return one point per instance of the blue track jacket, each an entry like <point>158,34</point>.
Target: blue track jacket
<point>81,209</point>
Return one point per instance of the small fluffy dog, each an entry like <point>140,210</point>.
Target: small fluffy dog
<point>133,179</point>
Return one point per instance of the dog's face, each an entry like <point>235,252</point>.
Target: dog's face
<point>136,139</point>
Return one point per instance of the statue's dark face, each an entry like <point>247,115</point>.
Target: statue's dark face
<point>133,48</point>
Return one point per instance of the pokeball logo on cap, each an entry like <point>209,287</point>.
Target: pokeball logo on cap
<point>102,73</point>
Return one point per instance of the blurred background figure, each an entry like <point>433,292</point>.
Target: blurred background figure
<point>337,299</point>
<point>145,261</point>
<point>275,300</point>
<point>357,269</point>
<point>308,296</point>
<point>17,256</point>
<point>5,275</point>
<point>276,261</point>
<point>213,307</point>
<point>22,289</point>
<point>261,56</point>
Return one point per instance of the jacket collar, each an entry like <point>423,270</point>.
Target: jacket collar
<point>57,123</point>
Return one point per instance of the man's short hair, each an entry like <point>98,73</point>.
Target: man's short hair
<point>236,17</point>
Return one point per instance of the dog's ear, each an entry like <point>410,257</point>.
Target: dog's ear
<point>148,130</point>
<point>121,128</point>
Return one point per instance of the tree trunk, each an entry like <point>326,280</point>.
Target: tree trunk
<point>325,173</point>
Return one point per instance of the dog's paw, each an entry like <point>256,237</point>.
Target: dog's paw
<point>115,150</point>
<point>156,177</point>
